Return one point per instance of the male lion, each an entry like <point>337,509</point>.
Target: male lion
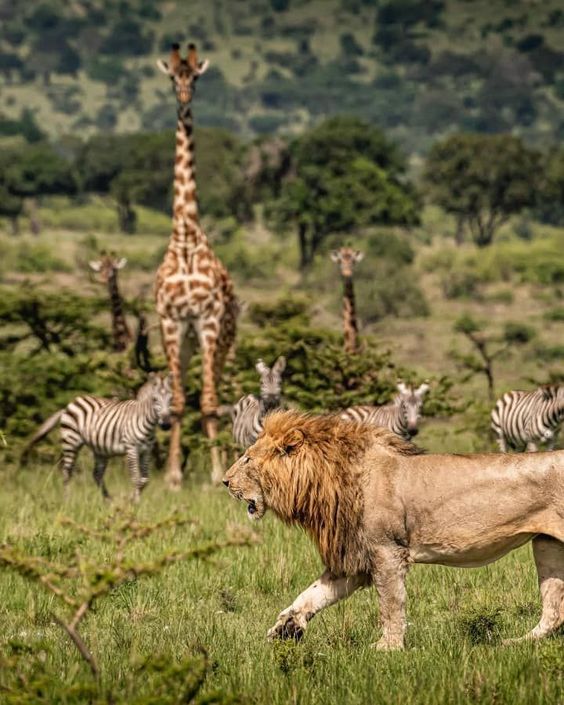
<point>374,504</point>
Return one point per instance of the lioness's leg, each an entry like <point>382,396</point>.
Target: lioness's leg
<point>389,579</point>
<point>549,558</point>
<point>325,591</point>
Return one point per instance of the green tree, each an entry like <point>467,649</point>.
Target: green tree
<point>30,171</point>
<point>550,200</point>
<point>482,179</point>
<point>344,175</point>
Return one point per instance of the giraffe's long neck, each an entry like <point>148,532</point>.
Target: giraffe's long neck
<point>186,230</point>
<point>350,325</point>
<point>120,330</point>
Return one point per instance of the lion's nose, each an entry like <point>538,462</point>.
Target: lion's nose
<point>226,483</point>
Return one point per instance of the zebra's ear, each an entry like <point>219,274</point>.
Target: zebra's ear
<point>95,265</point>
<point>261,368</point>
<point>280,365</point>
<point>401,387</point>
<point>334,254</point>
<point>422,390</point>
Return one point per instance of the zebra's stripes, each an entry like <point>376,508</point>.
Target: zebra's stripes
<point>401,416</point>
<point>523,420</point>
<point>111,427</point>
<point>249,412</point>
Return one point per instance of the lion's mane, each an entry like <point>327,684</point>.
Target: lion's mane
<point>318,483</point>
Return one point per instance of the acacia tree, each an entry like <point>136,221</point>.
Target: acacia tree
<point>482,180</point>
<point>31,171</point>
<point>344,174</point>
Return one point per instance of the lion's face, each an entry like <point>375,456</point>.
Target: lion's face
<point>242,480</point>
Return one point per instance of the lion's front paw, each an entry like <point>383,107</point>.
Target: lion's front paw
<point>288,626</point>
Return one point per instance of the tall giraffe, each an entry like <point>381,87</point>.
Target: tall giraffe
<point>108,267</point>
<point>347,258</point>
<point>194,293</point>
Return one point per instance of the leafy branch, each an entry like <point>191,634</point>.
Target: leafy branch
<point>80,582</point>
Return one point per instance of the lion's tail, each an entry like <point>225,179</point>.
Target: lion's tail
<point>45,428</point>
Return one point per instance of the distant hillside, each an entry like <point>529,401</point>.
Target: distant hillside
<point>417,68</point>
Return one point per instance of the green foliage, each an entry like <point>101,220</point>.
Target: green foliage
<point>31,258</point>
<point>550,200</point>
<point>346,175</point>
<point>80,583</point>
<point>483,179</point>
<point>53,322</point>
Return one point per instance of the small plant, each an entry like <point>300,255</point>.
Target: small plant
<point>80,582</point>
<point>481,627</point>
<point>483,344</point>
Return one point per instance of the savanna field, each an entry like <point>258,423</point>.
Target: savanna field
<point>226,603</point>
<point>425,135</point>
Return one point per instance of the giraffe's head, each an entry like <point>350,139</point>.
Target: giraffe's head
<point>412,400</point>
<point>346,258</point>
<point>183,72</point>
<point>107,266</point>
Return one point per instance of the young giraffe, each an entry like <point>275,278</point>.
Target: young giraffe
<point>346,258</point>
<point>108,267</point>
<point>194,293</point>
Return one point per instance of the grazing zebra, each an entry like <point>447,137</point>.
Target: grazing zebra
<point>525,419</point>
<point>111,427</point>
<point>401,416</point>
<point>249,412</point>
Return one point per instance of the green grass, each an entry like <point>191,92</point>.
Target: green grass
<point>456,617</point>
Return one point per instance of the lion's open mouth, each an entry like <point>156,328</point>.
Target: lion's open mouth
<point>251,507</point>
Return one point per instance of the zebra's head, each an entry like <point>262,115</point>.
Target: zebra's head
<point>411,400</point>
<point>271,382</point>
<point>158,389</point>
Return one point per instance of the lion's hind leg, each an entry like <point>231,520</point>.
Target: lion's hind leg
<point>549,559</point>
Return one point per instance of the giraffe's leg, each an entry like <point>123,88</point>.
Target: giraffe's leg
<point>100,465</point>
<point>174,343</point>
<point>208,333</point>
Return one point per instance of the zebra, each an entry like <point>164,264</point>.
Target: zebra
<point>523,420</point>
<point>249,412</point>
<point>112,427</point>
<point>401,416</point>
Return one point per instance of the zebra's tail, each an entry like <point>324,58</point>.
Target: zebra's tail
<point>45,428</point>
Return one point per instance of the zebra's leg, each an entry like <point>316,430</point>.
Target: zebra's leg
<point>70,451</point>
<point>532,447</point>
<point>144,457</point>
<point>502,443</point>
<point>132,455</point>
<point>100,465</point>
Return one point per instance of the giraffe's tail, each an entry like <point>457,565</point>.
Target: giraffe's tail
<point>45,428</point>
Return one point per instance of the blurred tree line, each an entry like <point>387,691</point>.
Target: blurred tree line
<point>336,178</point>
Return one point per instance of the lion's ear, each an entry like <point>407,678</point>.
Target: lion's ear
<point>292,440</point>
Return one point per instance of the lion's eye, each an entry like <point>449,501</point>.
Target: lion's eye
<point>246,459</point>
